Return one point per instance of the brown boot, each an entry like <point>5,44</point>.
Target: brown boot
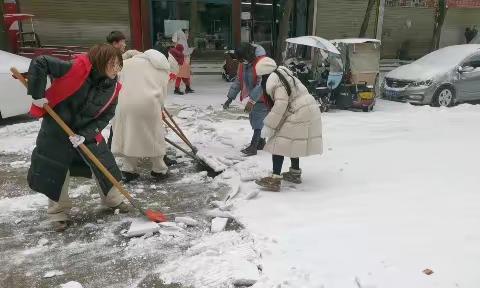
<point>294,176</point>
<point>271,183</point>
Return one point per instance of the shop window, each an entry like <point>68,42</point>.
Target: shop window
<point>208,21</point>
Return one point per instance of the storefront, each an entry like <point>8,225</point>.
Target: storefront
<point>461,15</point>
<point>76,22</point>
<point>216,25</point>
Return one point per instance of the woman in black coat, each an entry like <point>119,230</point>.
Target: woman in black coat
<point>84,94</point>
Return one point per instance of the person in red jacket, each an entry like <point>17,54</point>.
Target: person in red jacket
<point>84,94</point>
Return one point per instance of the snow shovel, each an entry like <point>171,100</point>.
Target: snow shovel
<point>190,154</point>
<point>154,216</point>
<point>166,116</point>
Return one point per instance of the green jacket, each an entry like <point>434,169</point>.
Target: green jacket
<point>54,155</point>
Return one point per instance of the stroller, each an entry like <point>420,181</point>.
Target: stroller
<point>230,66</point>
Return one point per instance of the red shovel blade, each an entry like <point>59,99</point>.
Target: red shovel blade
<point>155,216</point>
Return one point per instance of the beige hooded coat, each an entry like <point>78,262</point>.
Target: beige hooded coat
<point>295,120</point>
<point>138,128</point>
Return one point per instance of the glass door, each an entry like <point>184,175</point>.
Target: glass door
<point>209,23</point>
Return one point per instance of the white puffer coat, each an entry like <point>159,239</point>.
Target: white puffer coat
<point>138,128</point>
<point>296,120</point>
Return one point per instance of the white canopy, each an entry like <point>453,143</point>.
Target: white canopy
<point>355,41</point>
<point>314,41</point>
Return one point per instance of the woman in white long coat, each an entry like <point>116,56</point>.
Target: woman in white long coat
<point>138,128</point>
<point>293,126</point>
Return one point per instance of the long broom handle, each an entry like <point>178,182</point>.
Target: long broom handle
<point>178,128</point>
<point>171,126</point>
<point>181,149</point>
<point>82,146</point>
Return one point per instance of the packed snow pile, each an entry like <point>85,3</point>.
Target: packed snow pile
<point>22,203</point>
<point>394,194</point>
<point>220,260</point>
<point>19,138</point>
<point>53,273</point>
<point>71,284</point>
<point>393,202</point>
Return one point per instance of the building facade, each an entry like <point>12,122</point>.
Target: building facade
<point>216,25</point>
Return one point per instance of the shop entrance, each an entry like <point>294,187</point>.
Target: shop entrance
<point>209,23</point>
<point>260,20</point>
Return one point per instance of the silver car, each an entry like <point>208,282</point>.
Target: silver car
<point>442,78</point>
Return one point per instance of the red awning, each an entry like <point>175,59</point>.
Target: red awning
<point>9,19</point>
<point>463,3</point>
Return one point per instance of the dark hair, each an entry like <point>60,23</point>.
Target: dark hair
<point>100,55</point>
<point>246,51</point>
<point>115,36</point>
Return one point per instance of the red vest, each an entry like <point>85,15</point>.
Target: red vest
<point>64,87</point>
<point>244,90</point>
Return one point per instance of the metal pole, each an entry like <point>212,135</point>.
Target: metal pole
<point>381,13</point>
<point>315,9</point>
<point>3,31</point>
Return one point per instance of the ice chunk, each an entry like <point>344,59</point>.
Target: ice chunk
<point>222,205</point>
<point>186,220</point>
<point>71,284</point>
<point>42,242</point>
<point>142,226</point>
<point>218,213</point>
<point>170,226</point>
<point>244,273</point>
<point>19,164</point>
<point>53,273</point>
<point>235,184</point>
<point>218,224</point>
<point>252,194</point>
<point>213,162</point>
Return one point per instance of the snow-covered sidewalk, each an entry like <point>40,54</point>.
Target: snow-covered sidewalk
<point>394,194</point>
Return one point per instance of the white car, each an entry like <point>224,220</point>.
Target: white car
<point>13,95</point>
<point>444,77</point>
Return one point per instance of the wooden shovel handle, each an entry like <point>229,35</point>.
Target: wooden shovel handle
<point>183,136</point>
<point>82,146</point>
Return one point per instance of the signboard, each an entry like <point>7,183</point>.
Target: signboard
<point>411,3</point>
<point>463,3</point>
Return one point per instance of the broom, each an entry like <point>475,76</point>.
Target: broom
<point>152,215</point>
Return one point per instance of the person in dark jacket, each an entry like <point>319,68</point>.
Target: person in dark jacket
<point>84,94</point>
<point>248,85</point>
<point>118,40</point>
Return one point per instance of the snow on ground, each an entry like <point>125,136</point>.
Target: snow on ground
<point>394,194</point>
<point>18,138</point>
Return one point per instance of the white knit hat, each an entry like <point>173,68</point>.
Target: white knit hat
<point>265,66</point>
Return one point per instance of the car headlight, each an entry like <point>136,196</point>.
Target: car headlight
<point>422,83</point>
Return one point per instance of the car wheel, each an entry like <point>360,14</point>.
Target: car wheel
<point>444,97</point>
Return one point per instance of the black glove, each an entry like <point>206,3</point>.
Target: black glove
<point>227,104</point>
